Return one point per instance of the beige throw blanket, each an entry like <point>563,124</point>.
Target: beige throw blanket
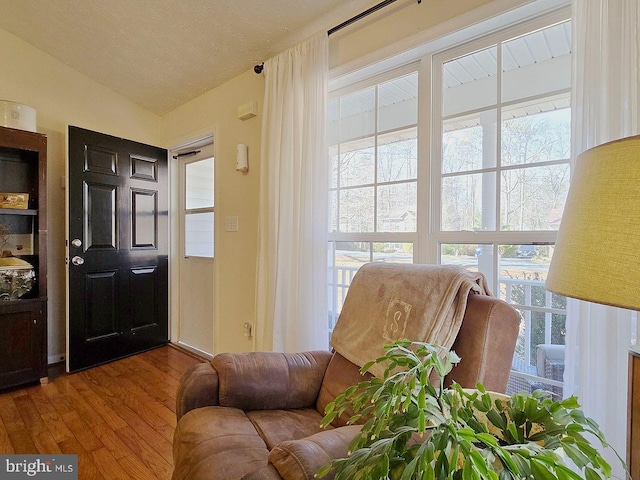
<point>388,302</point>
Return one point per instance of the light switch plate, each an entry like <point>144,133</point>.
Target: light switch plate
<point>231,224</point>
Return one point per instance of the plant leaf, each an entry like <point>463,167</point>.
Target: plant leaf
<point>540,472</point>
<point>497,419</point>
<point>574,453</point>
<point>591,474</point>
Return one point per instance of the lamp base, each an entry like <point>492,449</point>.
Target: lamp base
<point>633,430</point>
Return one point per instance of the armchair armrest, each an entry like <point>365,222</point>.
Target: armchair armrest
<point>301,459</point>
<point>270,380</point>
<point>198,388</point>
<point>486,342</point>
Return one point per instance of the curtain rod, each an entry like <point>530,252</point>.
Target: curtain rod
<point>258,68</point>
<point>186,154</point>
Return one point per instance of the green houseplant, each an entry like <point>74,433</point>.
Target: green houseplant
<point>418,429</point>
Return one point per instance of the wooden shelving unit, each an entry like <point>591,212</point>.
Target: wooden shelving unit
<point>23,321</point>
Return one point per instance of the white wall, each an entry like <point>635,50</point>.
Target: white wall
<point>63,96</point>
<point>237,194</point>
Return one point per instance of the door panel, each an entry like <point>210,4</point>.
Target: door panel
<point>101,290</point>
<point>144,287</point>
<point>118,283</point>
<point>99,159</point>
<point>144,168</point>
<point>144,218</point>
<point>100,206</point>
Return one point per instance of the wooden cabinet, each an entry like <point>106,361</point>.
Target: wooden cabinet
<point>23,321</point>
<point>23,342</point>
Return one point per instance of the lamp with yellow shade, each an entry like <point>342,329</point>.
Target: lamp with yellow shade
<point>597,252</point>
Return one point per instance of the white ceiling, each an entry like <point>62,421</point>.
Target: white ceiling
<point>163,53</point>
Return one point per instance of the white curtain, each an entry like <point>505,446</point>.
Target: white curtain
<point>291,307</point>
<point>606,62</point>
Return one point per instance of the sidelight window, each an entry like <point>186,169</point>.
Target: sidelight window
<point>199,208</point>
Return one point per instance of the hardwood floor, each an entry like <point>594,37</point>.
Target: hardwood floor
<point>119,417</point>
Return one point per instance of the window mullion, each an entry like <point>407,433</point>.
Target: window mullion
<point>498,159</point>
<point>375,160</point>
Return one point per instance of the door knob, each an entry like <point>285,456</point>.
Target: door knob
<point>76,242</point>
<point>77,260</point>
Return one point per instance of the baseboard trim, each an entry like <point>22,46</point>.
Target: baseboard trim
<point>194,352</point>
<point>55,359</point>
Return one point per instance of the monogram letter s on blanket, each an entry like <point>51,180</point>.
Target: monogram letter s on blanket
<point>395,324</point>
<point>387,302</point>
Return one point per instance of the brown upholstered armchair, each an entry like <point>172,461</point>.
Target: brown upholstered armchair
<point>257,415</point>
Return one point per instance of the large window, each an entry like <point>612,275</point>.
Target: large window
<point>373,194</point>
<point>487,190</point>
<point>500,158</point>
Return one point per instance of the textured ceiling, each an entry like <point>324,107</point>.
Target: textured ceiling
<point>163,53</point>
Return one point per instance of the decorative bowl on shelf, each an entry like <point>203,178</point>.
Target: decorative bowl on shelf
<point>16,278</point>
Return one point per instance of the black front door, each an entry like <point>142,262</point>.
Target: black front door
<point>118,246</point>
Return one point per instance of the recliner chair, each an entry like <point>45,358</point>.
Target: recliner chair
<point>257,415</point>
